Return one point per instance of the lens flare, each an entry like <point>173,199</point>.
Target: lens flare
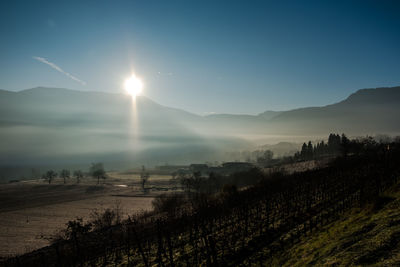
<point>133,86</point>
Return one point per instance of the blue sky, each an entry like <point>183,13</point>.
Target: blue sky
<point>205,56</point>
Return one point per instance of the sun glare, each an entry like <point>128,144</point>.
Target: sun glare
<point>133,85</point>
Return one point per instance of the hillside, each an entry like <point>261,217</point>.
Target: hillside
<point>363,236</point>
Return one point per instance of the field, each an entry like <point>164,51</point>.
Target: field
<point>32,212</point>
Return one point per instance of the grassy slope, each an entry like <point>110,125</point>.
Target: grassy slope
<point>366,236</point>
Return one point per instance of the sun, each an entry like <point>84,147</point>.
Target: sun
<point>133,85</point>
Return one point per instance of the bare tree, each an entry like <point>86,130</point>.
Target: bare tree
<point>78,174</point>
<point>97,171</point>
<point>144,176</point>
<point>65,174</point>
<point>50,175</point>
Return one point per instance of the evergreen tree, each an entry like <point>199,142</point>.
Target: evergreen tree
<point>303,152</point>
<point>309,150</point>
<point>345,145</point>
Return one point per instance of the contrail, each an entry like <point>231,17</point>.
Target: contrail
<point>54,66</point>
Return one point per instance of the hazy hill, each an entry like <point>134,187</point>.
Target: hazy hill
<point>282,148</point>
<point>60,125</point>
<point>269,114</point>
<point>43,125</point>
<point>368,111</point>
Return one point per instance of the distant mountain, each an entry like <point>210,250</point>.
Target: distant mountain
<point>239,124</point>
<point>269,114</point>
<point>52,106</point>
<point>368,111</point>
<point>282,148</point>
<point>43,125</point>
<point>46,125</point>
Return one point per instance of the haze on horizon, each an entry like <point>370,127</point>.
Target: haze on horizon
<point>204,57</point>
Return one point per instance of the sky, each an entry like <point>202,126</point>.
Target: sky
<point>241,57</point>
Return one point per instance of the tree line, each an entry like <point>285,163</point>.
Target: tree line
<point>96,171</point>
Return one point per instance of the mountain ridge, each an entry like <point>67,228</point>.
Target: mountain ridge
<point>39,123</point>
<point>369,93</point>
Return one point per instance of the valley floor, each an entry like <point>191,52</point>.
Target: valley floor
<point>33,212</point>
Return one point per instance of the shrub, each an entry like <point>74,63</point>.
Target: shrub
<point>167,203</point>
<point>106,218</point>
